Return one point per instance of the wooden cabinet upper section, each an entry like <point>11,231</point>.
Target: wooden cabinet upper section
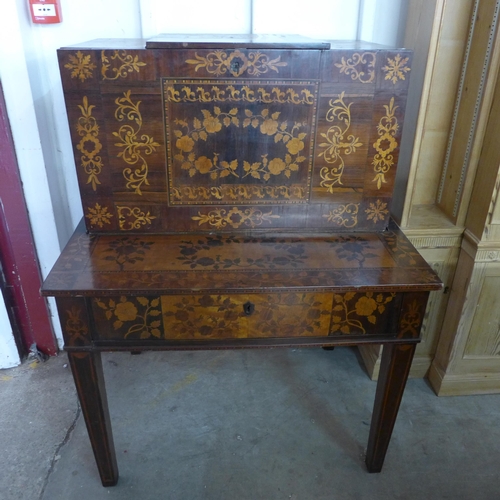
<point>195,134</point>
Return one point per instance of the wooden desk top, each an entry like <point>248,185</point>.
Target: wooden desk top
<point>190,263</point>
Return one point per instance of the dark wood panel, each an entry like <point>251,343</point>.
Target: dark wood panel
<point>253,41</point>
<point>229,127</point>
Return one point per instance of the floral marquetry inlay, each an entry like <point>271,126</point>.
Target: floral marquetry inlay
<point>89,145</point>
<point>396,68</point>
<point>236,63</point>
<point>411,320</point>
<point>126,251</point>
<point>377,211</point>
<point>80,65</point>
<point>272,163</point>
<point>134,317</point>
<point>352,312</point>
<point>119,65</point>
<point>215,252</point>
<point>99,215</point>
<point>75,328</point>
<point>386,144</point>
<point>213,122</point>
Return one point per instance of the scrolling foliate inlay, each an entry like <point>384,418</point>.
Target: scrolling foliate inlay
<point>238,192</point>
<point>80,65</point>
<point>130,218</point>
<point>236,63</point>
<point>386,144</point>
<point>133,149</point>
<point>338,143</point>
<point>124,64</point>
<point>89,145</point>
<point>344,215</point>
<point>354,66</point>
<point>235,218</point>
<point>234,93</point>
<point>396,68</point>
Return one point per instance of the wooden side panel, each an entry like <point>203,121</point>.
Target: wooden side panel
<point>484,335</point>
<point>472,111</point>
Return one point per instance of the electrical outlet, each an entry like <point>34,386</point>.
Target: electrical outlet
<point>44,10</point>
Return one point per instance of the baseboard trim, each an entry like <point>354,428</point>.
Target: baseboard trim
<point>463,385</point>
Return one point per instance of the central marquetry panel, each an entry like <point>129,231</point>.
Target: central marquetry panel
<point>237,141</point>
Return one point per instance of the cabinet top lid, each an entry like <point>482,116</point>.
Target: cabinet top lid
<point>249,41</point>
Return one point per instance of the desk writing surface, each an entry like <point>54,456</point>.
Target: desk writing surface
<point>186,263</point>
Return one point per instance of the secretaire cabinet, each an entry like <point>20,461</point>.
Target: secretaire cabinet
<point>236,193</point>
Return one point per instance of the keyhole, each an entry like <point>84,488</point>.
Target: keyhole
<point>235,67</point>
<point>248,308</point>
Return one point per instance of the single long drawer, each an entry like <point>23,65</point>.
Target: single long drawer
<point>236,316</point>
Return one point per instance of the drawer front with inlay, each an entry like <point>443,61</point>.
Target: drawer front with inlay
<point>239,316</point>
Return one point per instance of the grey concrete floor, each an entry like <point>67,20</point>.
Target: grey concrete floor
<point>248,424</point>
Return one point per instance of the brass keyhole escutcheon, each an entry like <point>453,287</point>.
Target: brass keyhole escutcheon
<point>248,308</point>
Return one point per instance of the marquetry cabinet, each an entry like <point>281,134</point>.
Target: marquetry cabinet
<point>236,193</point>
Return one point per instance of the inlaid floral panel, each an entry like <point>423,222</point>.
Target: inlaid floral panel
<point>242,141</point>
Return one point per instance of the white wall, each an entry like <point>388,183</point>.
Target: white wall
<point>30,76</point>
<point>196,16</point>
<point>382,21</point>
<point>9,356</point>
<point>333,19</point>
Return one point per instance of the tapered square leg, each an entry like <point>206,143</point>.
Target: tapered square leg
<point>394,370</point>
<point>89,381</point>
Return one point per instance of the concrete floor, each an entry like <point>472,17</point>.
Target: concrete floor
<point>248,424</point>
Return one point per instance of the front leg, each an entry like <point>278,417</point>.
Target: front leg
<point>89,381</point>
<point>394,370</point>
